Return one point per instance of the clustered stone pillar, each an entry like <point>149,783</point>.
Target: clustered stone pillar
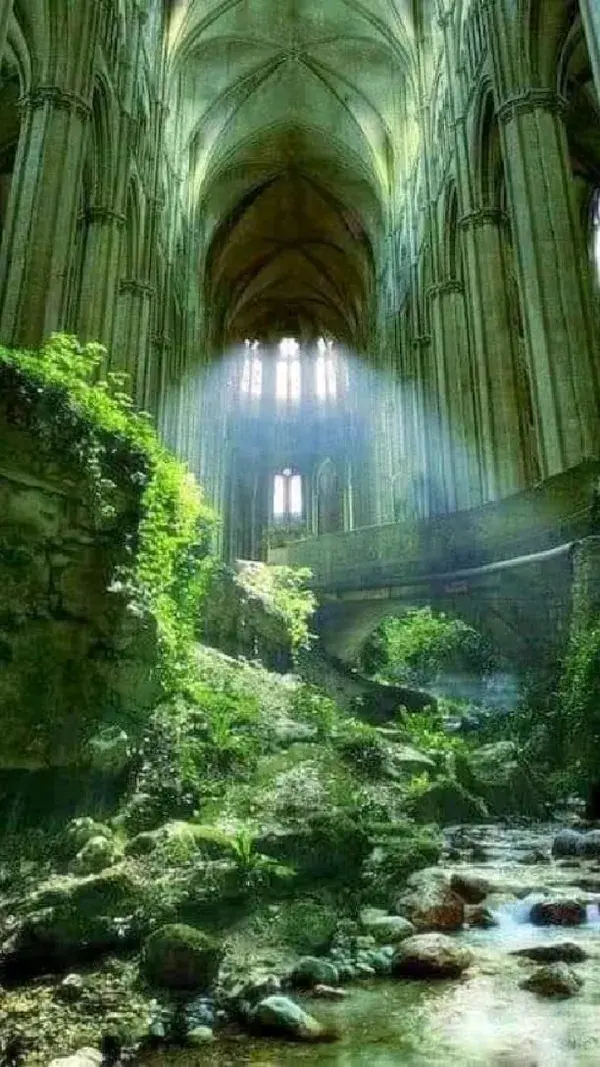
<point>493,341</point>
<point>100,268</point>
<point>6,7</point>
<point>133,334</point>
<point>456,391</point>
<point>552,266</point>
<point>590,13</point>
<point>38,238</point>
<point>585,603</point>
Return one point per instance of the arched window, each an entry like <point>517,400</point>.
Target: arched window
<point>287,496</point>
<point>595,233</point>
<point>325,371</point>
<point>251,381</point>
<point>287,383</point>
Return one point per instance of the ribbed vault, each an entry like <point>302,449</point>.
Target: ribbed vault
<point>297,120</point>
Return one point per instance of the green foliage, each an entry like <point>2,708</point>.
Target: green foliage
<point>426,732</point>
<point>91,420</point>
<point>284,590</point>
<point>362,747</point>
<point>418,647</point>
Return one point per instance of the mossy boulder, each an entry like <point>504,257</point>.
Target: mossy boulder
<point>181,957</point>
<point>495,774</point>
<point>96,855</point>
<point>447,802</point>
<point>78,832</point>
<point>312,971</point>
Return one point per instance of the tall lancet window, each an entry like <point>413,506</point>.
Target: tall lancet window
<point>287,496</point>
<point>287,384</point>
<point>326,383</point>
<point>595,233</point>
<point>251,380</point>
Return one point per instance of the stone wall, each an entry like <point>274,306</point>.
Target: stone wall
<point>72,657</point>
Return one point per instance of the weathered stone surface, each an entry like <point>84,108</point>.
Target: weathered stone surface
<point>447,802</point>
<point>311,971</point>
<point>556,952</point>
<point>86,1057</point>
<point>386,929</point>
<point>479,916</point>
<point>555,980</point>
<point>506,787</point>
<point>97,854</point>
<point>471,887</point>
<point>430,956</point>
<point>181,957</point>
<point>429,903</point>
<point>558,913</point>
<point>280,1017</point>
<point>590,846</point>
<point>567,843</point>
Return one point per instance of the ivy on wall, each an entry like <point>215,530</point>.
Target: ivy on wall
<point>93,420</point>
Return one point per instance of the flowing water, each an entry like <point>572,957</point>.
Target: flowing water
<point>482,1020</point>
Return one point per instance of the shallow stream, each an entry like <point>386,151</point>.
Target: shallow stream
<point>481,1020</point>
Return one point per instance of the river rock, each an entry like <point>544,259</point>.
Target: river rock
<point>470,887</point>
<point>200,1035</point>
<point>311,971</point>
<point>328,992</point>
<point>181,957</point>
<point>556,952</point>
<point>555,980</point>
<point>567,843</point>
<point>590,846</point>
<point>558,913</point>
<point>386,929</point>
<point>430,956</point>
<point>476,915</point>
<point>429,903</point>
<point>86,1057</point>
<point>447,803</point>
<point>96,855</point>
<point>281,1017</point>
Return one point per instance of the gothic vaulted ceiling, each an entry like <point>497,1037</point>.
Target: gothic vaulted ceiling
<point>298,119</point>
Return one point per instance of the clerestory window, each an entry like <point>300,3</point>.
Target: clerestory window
<point>287,496</point>
<point>251,380</point>
<point>287,382</point>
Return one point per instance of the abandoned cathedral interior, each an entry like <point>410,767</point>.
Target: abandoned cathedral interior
<point>299,532</point>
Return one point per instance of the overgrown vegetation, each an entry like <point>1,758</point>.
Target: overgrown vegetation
<point>92,420</point>
<point>419,647</point>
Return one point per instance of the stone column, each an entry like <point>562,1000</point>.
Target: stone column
<point>42,215</point>
<point>456,391</point>
<point>6,7</point>
<point>553,279</point>
<point>131,344</point>
<point>590,14</point>
<point>494,341</point>
<point>97,299</point>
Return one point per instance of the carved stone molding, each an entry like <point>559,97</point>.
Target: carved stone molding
<point>103,216</point>
<point>137,288</point>
<point>485,216</point>
<point>451,285</point>
<point>532,100</point>
<point>59,99</point>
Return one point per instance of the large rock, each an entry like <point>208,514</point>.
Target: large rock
<point>556,952</point>
<point>507,787</point>
<point>471,887</point>
<point>429,903</point>
<point>96,855</point>
<point>181,957</point>
<point>386,929</point>
<point>447,802</point>
<point>590,846</point>
<point>430,956</point>
<point>555,980</point>
<point>311,971</point>
<point>280,1017</point>
<point>567,843</point>
<point>558,913</point>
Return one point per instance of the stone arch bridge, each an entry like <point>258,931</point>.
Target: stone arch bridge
<point>508,568</point>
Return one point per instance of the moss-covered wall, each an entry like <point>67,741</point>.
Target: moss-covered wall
<point>71,656</point>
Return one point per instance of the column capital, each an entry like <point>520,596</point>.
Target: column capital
<point>59,99</point>
<point>485,216</point>
<point>532,100</point>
